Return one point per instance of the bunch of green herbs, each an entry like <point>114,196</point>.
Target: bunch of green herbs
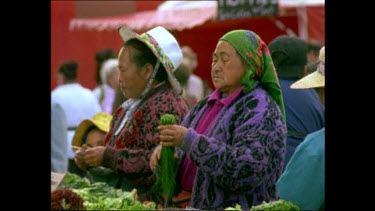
<point>165,172</point>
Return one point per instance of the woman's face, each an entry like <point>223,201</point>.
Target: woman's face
<point>132,81</point>
<point>227,68</point>
<point>95,138</point>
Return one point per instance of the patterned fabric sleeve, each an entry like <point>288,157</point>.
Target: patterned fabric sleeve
<point>245,148</point>
<point>141,136</point>
<point>187,122</point>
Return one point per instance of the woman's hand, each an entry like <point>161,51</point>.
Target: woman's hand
<point>94,156</point>
<point>155,157</point>
<point>172,135</point>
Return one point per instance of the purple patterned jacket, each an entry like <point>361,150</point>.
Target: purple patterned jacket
<point>129,152</point>
<point>241,158</point>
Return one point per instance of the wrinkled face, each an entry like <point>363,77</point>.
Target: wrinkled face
<point>95,138</point>
<point>132,80</point>
<point>227,69</point>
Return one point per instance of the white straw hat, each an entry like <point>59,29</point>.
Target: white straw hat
<point>163,45</point>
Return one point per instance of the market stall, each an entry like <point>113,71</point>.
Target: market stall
<point>194,23</point>
<point>183,15</point>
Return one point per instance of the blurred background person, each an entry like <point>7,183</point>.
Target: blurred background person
<point>303,181</point>
<point>78,102</point>
<point>105,93</point>
<point>59,135</point>
<point>303,108</point>
<point>100,58</point>
<point>313,48</point>
<point>194,84</point>
<point>182,75</point>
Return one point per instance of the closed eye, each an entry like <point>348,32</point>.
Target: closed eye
<point>122,69</point>
<point>214,58</point>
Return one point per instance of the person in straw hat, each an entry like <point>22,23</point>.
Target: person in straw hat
<point>146,64</point>
<point>303,108</point>
<point>91,133</point>
<point>232,144</point>
<point>302,183</point>
<point>315,79</point>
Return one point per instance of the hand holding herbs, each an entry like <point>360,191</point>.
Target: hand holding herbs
<point>172,135</point>
<point>165,172</point>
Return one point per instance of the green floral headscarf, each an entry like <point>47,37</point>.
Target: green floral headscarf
<point>256,54</point>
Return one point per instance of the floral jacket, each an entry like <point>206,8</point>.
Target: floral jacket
<point>129,152</point>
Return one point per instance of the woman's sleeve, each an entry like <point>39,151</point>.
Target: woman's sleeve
<point>143,137</point>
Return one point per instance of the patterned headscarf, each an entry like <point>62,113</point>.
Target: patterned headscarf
<point>256,54</point>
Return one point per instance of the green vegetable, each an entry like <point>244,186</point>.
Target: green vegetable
<point>238,207</point>
<point>168,119</point>
<point>73,181</point>
<point>275,205</point>
<point>165,175</point>
<point>100,196</point>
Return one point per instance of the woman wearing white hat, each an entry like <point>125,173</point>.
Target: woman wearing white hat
<point>146,64</point>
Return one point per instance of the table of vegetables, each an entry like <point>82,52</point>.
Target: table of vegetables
<point>77,193</point>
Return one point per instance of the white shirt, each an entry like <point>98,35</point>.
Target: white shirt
<point>79,103</point>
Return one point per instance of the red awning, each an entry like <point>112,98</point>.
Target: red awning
<point>181,15</point>
<point>170,19</point>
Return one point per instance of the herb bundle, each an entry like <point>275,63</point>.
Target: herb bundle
<point>165,182</point>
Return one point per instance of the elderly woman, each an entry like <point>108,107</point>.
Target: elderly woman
<point>146,64</point>
<point>232,144</point>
